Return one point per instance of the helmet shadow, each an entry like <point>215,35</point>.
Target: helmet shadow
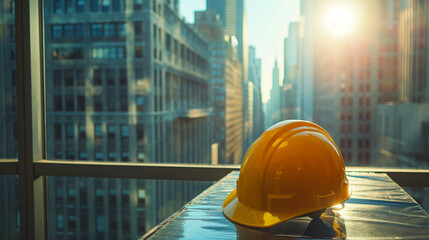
<point>330,224</point>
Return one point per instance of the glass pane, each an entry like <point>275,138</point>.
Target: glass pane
<point>100,208</point>
<point>8,124</point>
<point>109,99</point>
<point>9,213</point>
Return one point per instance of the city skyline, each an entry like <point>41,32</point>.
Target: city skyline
<point>269,45</point>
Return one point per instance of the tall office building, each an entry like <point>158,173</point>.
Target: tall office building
<point>9,227</point>
<point>403,125</point>
<point>227,87</point>
<point>122,87</point>
<point>255,78</point>
<point>305,83</point>
<point>289,106</point>
<point>274,111</point>
<point>232,14</point>
<point>352,76</point>
<point>233,18</point>
<point>412,51</point>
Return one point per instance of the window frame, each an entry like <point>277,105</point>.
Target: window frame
<point>32,167</point>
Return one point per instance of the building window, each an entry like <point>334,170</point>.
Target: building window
<point>96,30</point>
<point>138,30</point>
<point>67,53</point>
<point>79,30</point>
<point>138,5</point>
<point>80,5</point>
<point>139,76</point>
<point>70,131</point>
<point>69,6</point>
<point>123,76</point>
<point>121,29</point>
<point>116,5</point>
<point>57,6</point>
<point>140,103</point>
<point>111,131</point>
<point>112,197</point>
<point>111,102</point>
<point>125,131</point>
<point>100,224</point>
<point>58,103</point>
<point>125,197</point>
<point>97,77</point>
<point>98,156</point>
<point>105,5</point>
<point>99,193</point>
<point>69,77</point>
<point>60,222</point>
<point>83,156</point>
<point>98,133</point>
<point>112,156</point>
<point>124,101</point>
<point>80,77</point>
<point>95,5</point>
<point>57,132</point>
<point>57,31</point>
<point>57,77</point>
<point>141,198</point>
<point>69,102</point>
<point>367,143</point>
<point>109,29</point>
<point>110,76</point>
<point>125,157</point>
<point>140,157</point>
<point>138,51</point>
<point>140,132</point>
<point>110,52</point>
<point>98,106</point>
<point>168,42</point>
<point>82,132</point>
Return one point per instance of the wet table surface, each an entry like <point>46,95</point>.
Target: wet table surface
<point>377,209</point>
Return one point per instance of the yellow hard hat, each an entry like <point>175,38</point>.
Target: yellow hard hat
<point>294,168</point>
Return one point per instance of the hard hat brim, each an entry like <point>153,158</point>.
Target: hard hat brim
<point>244,215</point>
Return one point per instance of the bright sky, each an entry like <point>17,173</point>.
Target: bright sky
<point>267,26</point>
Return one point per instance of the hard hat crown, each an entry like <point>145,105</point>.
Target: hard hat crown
<point>293,168</point>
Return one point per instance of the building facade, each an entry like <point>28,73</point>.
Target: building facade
<point>126,81</point>
<point>274,104</point>
<point>255,78</point>
<point>227,88</point>
<point>351,77</point>
<point>9,206</point>
<point>289,101</point>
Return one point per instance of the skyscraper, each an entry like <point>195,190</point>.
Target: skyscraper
<point>274,111</point>
<point>255,78</point>
<point>351,79</point>
<point>125,88</point>
<point>409,112</point>
<point>233,18</point>
<point>227,87</point>
<point>289,106</point>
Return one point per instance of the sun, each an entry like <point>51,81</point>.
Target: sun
<point>339,21</point>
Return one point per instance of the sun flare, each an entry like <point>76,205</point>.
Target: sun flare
<point>340,21</point>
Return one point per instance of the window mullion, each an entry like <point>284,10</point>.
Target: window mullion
<point>30,114</point>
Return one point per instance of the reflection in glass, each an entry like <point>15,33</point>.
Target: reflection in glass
<point>9,216</point>
<point>92,208</point>
<point>8,124</point>
<point>9,207</point>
